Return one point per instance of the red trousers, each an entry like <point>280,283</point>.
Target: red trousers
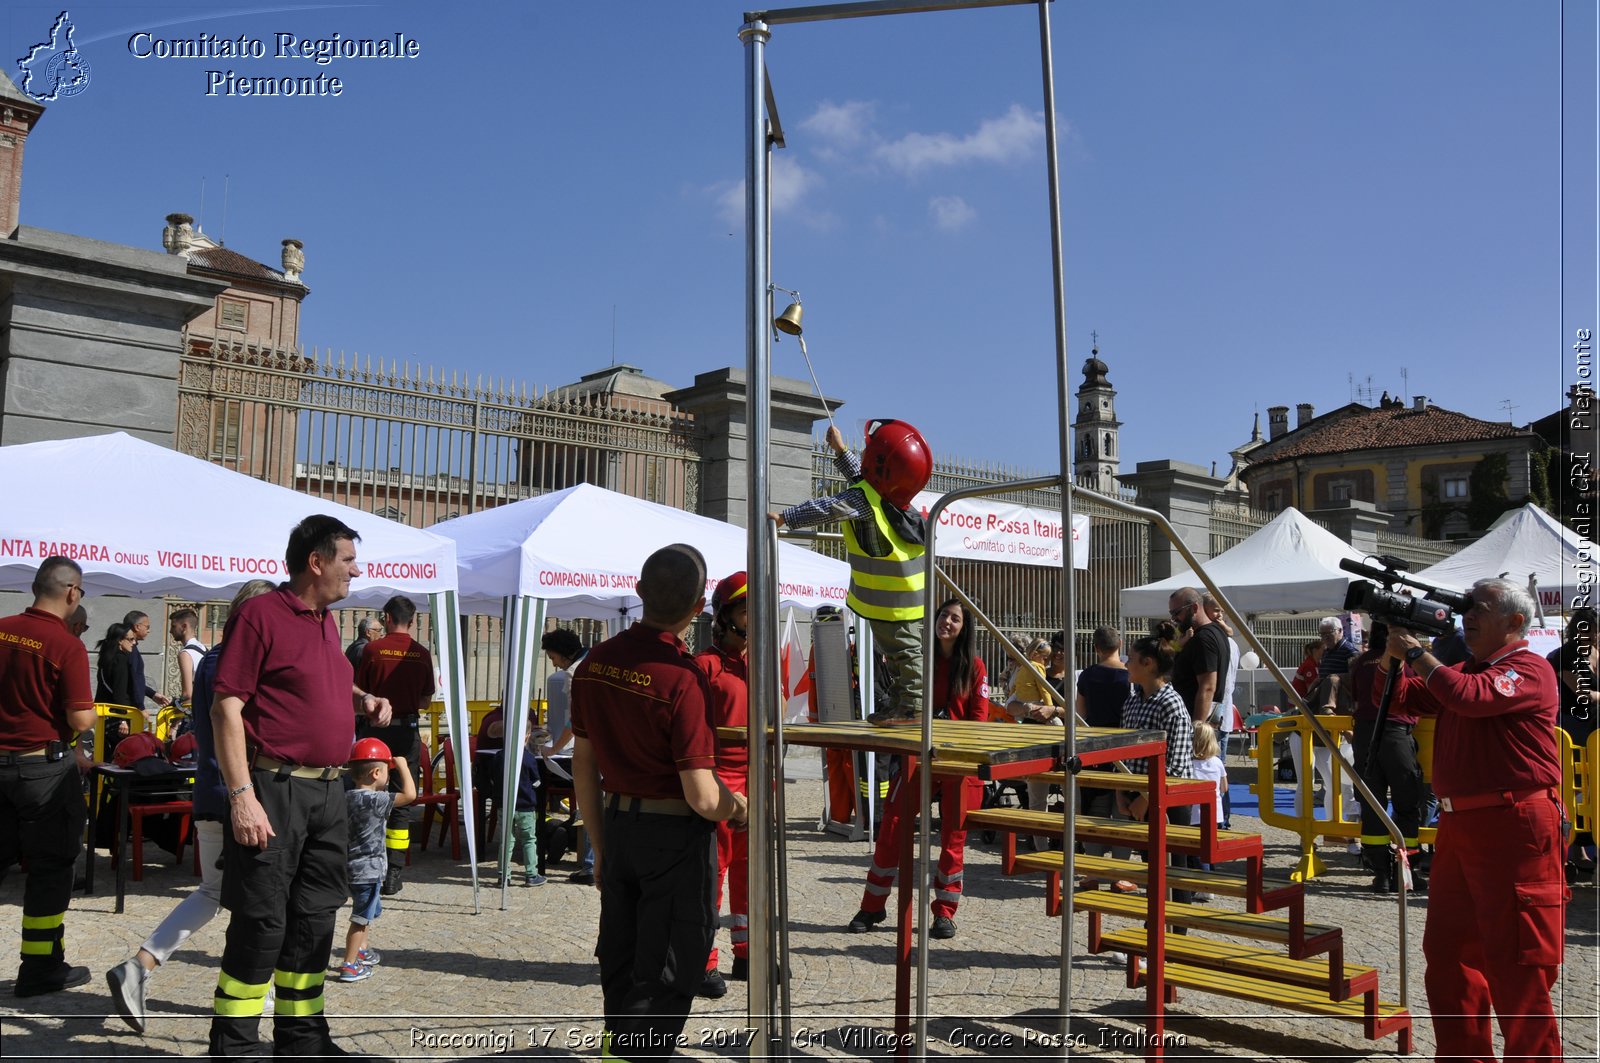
<point>1496,923</point>
<point>841,785</point>
<point>956,796</point>
<point>733,864</point>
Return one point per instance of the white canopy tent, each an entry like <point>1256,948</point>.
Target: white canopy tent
<point>1522,543</point>
<point>1289,565</point>
<point>178,551</point>
<point>577,553</point>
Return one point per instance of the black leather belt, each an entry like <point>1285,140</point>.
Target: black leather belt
<point>665,806</point>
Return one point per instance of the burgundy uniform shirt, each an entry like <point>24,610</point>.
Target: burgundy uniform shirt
<point>728,677</point>
<point>399,668</point>
<point>44,674</point>
<point>1366,691</point>
<point>285,662</point>
<point>643,705</point>
<point>1497,722</point>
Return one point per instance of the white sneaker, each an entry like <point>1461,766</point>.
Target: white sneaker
<point>128,981</point>
<point>1354,848</point>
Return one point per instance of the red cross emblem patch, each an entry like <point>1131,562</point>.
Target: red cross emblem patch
<point>1506,683</point>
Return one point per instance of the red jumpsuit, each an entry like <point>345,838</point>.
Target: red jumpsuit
<point>727,675</point>
<point>956,795</point>
<point>1497,895</point>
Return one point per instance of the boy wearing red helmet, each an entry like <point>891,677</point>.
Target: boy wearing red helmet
<point>884,541</point>
<point>370,804</point>
<point>727,676</point>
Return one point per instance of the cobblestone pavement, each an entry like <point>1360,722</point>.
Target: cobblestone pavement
<point>522,981</point>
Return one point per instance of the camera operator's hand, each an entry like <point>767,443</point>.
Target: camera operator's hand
<point>1401,640</point>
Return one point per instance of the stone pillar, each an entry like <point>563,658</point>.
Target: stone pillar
<point>1356,522</point>
<point>717,401</point>
<point>93,335</point>
<point>1183,494</point>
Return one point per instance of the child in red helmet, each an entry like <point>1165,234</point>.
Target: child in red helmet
<point>369,804</point>
<point>884,541</point>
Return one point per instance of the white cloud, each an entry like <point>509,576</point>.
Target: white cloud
<point>790,184</point>
<point>841,125</point>
<point>951,212</point>
<point>1005,139</point>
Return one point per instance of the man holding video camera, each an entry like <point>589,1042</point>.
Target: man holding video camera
<point>1496,917</point>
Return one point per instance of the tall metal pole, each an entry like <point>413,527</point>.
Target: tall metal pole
<point>763,624</point>
<point>1068,602</point>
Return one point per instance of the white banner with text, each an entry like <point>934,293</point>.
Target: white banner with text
<point>988,530</point>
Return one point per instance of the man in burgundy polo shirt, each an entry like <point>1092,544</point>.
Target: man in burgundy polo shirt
<point>642,730</point>
<point>45,701</point>
<point>283,731</point>
<point>1497,896</point>
<point>400,669</point>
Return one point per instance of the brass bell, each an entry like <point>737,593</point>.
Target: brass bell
<point>788,322</point>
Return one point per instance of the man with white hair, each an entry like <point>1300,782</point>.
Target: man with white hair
<point>1496,912</point>
<point>1338,650</point>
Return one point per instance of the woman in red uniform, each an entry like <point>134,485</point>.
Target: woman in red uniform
<point>960,692</point>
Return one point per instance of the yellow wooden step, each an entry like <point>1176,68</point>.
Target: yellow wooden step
<point>1109,869</point>
<point>1387,1017</point>
<point>1231,844</point>
<point>1313,938</point>
<point>1090,779</point>
<point>1250,961</point>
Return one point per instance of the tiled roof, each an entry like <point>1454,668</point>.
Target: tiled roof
<point>1357,428</point>
<point>222,260</point>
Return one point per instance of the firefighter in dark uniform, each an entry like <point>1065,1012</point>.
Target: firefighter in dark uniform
<point>641,723</point>
<point>400,670</point>
<point>283,731</point>
<point>1391,773</point>
<point>45,701</point>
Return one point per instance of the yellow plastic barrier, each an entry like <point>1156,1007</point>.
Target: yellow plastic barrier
<point>1576,762</point>
<point>438,726</point>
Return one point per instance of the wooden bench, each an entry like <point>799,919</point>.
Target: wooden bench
<point>1260,895</point>
<point>1229,958</point>
<point>1229,844</point>
<point>1378,1018</point>
<point>1302,939</point>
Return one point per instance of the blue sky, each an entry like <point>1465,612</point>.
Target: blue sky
<point>1262,200</point>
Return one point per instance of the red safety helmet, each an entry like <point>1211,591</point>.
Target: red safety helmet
<point>183,748</point>
<point>730,590</point>
<point>135,748</point>
<point>896,461</point>
<point>371,749</point>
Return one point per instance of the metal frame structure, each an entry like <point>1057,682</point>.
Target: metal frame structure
<point>761,134</point>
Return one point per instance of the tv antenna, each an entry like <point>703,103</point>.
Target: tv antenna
<point>1511,410</point>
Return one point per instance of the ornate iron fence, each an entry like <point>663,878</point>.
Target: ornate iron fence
<point>418,447</point>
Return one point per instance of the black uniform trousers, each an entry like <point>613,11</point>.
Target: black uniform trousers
<point>42,813</point>
<point>1393,776</point>
<point>404,740</point>
<point>657,924</point>
<point>284,900</point>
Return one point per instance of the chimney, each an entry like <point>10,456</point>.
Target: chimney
<point>1419,402</point>
<point>1303,413</point>
<point>18,115</point>
<point>294,260</point>
<point>1277,421</point>
<point>178,236</point>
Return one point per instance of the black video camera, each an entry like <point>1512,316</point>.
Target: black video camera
<point>1382,600</point>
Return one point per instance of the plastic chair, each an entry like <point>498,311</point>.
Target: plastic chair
<point>447,800</point>
<point>136,814</point>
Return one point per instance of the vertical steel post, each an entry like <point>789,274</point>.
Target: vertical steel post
<point>763,623</point>
<point>1068,602</point>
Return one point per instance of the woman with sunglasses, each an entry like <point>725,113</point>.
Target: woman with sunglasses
<point>1154,705</point>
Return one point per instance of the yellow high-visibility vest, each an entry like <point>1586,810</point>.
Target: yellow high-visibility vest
<point>884,588</point>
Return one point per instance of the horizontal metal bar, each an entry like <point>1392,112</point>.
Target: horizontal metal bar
<point>829,12</point>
